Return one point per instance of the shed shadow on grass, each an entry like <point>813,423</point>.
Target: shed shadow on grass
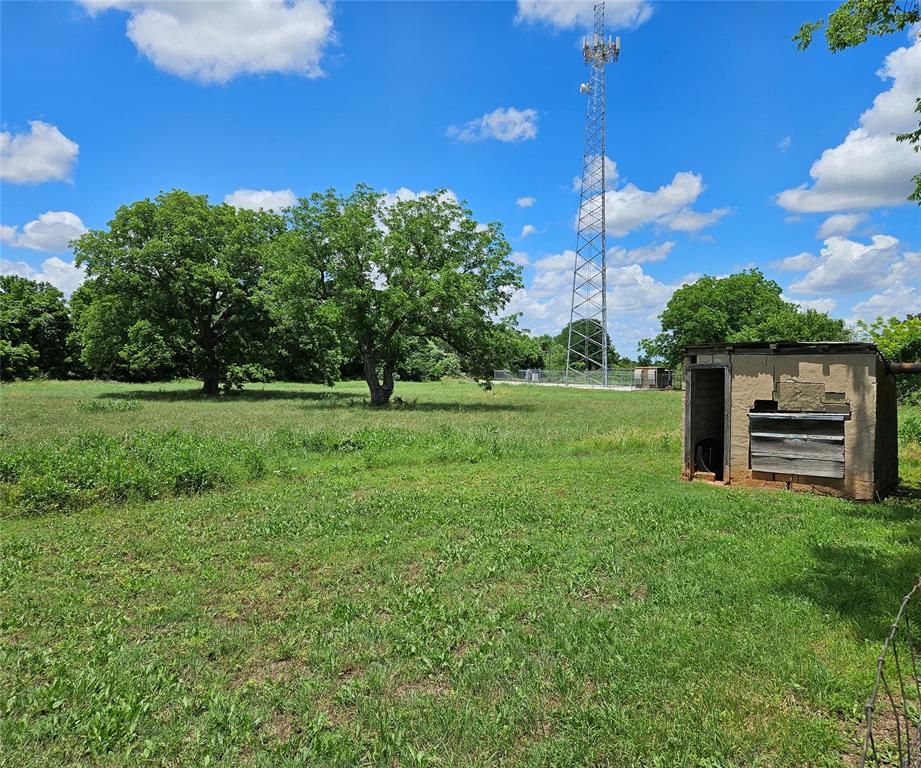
<point>863,585</point>
<point>328,399</point>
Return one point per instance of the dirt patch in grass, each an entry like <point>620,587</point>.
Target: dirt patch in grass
<point>281,726</point>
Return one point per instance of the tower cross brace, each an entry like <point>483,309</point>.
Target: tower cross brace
<point>587,348</point>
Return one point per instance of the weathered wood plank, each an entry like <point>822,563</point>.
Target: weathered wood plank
<point>804,415</point>
<point>798,448</point>
<point>797,466</point>
<point>758,422</point>
<point>800,436</point>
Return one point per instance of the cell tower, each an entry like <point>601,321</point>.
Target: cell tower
<point>587,353</point>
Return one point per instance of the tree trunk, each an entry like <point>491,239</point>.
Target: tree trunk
<point>210,382</point>
<point>380,392</point>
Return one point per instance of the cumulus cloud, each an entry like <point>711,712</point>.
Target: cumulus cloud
<point>847,266</point>
<point>635,299</point>
<point>527,229</point>
<point>799,263</point>
<point>819,305</point>
<point>42,154</point>
<point>594,166</point>
<point>687,220</point>
<point>630,207</point>
<point>869,168</point>
<point>572,14</point>
<point>556,261</point>
<point>645,254</point>
<point>520,258</point>
<point>784,144</point>
<point>894,301</point>
<point>52,231</point>
<point>254,199</point>
<point>215,42</point>
<point>64,275</point>
<point>503,124</point>
<point>840,224</point>
<point>405,193</point>
<point>525,202</point>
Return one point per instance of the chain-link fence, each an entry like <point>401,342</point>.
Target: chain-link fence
<point>893,712</point>
<point>647,377</point>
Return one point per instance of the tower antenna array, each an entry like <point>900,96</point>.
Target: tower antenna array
<point>587,351</point>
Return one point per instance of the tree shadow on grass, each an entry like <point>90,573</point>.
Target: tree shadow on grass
<point>327,399</point>
<point>861,584</point>
<point>247,395</point>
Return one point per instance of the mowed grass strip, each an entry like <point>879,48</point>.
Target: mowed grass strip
<point>510,577</point>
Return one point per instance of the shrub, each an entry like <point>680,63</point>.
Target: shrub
<point>910,429</point>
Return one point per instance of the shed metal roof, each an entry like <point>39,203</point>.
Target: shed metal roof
<point>785,348</point>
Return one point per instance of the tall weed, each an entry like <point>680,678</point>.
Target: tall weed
<point>65,475</point>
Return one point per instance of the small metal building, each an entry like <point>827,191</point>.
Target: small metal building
<point>809,417</point>
<point>651,377</point>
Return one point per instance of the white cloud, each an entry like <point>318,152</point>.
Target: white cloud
<point>645,254</point>
<point>556,261</point>
<point>847,266</point>
<point>840,224</point>
<point>527,229</point>
<point>520,258</point>
<point>869,168</point>
<point>635,299</point>
<point>52,231</point>
<point>214,42</point>
<point>784,144</point>
<point>405,193</point>
<point>630,207</point>
<point>525,202</point>
<point>254,199</point>
<point>503,124</point>
<point>687,220</point>
<point>610,173</point>
<point>894,301</point>
<point>819,305</point>
<point>64,275</point>
<point>570,14</point>
<point>799,263</point>
<point>42,154</point>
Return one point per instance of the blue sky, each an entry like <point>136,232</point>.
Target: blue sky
<point>731,148</point>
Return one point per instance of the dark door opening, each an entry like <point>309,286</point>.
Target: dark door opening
<point>708,420</point>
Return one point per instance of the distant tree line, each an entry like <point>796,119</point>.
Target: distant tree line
<point>338,286</point>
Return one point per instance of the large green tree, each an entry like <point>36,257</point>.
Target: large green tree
<point>738,308</point>
<point>900,342</point>
<point>177,281</point>
<point>391,273</point>
<point>853,23</point>
<point>34,330</point>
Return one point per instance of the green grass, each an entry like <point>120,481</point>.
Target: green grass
<point>514,577</point>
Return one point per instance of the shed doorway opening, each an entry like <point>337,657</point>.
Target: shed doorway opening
<point>708,421</point>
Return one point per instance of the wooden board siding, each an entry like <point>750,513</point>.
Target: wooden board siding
<point>797,443</point>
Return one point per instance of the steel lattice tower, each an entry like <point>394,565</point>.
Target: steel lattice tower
<point>587,353</point>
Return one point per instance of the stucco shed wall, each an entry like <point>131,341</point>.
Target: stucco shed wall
<point>756,377</point>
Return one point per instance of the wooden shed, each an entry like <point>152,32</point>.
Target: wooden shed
<point>808,417</point>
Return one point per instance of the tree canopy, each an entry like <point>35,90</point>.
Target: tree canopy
<point>900,342</point>
<point>34,329</point>
<point>738,308</point>
<point>176,280</point>
<point>393,273</point>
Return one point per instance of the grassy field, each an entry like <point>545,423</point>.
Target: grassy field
<point>515,577</point>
